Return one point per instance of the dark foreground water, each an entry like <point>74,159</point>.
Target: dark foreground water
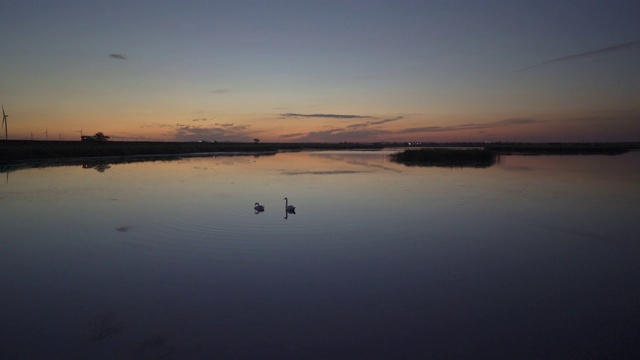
<point>536,257</point>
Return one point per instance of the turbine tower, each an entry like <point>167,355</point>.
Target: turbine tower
<point>5,124</point>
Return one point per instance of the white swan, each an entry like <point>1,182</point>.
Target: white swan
<point>258,207</point>
<point>289,208</point>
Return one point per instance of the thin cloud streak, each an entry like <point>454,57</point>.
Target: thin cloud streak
<point>369,130</point>
<point>331,172</point>
<point>118,56</point>
<point>516,121</point>
<point>294,135</point>
<point>353,132</point>
<point>156,125</point>
<point>220,132</point>
<point>607,50</point>
<point>334,116</point>
<point>200,131</point>
<point>340,135</point>
<point>370,123</point>
<point>492,125</point>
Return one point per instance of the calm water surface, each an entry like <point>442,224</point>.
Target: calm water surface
<point>536,257</point>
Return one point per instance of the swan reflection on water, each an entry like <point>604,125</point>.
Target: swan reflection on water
<point>258,208</point>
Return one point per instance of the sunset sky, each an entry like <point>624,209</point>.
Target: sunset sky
<point>327,71</point>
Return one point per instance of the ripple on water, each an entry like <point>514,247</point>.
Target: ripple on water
<point>237,245</point>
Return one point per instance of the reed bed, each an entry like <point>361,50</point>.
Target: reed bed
<point>441,157</point>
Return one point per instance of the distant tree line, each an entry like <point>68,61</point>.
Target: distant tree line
<point>99,136</point>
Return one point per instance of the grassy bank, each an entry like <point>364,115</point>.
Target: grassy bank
<point>19,150</point>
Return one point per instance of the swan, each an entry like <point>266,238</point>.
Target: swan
<point>258,207</point>
<point>289,208</point>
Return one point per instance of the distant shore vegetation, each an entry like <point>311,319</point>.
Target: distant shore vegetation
<point>15,154</point>
<point>21,150</point>
<point>442,157</point>
<point>18,153</point>
<point>486,155</point>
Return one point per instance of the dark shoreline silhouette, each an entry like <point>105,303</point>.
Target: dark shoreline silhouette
<point>20,150</point>
<point>15,154</point>
<point>489,154</point>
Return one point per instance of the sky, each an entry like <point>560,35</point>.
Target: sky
<point>322,71</point>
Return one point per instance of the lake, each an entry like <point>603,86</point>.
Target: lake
<point>534,257</point>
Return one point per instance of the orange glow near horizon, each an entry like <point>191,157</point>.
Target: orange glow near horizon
<point>23,125</point>
<point>384,72</point>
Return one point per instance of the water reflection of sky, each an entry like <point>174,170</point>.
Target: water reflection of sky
<point>533,257</point>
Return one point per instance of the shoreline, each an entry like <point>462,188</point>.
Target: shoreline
<point>15,151</point>
<point>17,154</point>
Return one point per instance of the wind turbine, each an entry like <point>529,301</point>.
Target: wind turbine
<point>80,131</point>
<point>46,134</point>
<point>5,124</point>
